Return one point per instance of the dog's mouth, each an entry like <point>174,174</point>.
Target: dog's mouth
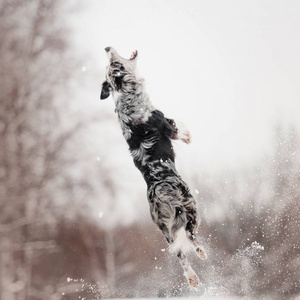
<point>133,55</point>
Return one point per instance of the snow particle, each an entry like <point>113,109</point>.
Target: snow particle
<point>100,214</point>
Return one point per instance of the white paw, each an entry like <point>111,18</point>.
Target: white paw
<point>194,281</point>
<point>201,253</point>
<point>183,134</point>
<point>192,278</point>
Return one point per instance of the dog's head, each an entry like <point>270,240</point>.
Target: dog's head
<point>120,74</point>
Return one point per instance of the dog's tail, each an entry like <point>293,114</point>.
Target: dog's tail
<point>181,242</point>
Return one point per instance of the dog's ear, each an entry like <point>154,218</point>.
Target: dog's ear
<point>105,91</point>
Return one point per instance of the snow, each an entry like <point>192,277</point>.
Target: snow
<point>191,298</point>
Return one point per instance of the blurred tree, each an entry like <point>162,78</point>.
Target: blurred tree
<point>35,71</point>
<point>48,229</point>
<point>261,206</point>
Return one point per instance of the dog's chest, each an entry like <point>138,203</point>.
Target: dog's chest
<point>131,113</point>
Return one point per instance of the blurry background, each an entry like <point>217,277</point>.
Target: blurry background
<point>74,220</point>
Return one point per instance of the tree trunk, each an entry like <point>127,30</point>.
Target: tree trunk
<point>110,261</point>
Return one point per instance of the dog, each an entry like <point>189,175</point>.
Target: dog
<point>149,133</point>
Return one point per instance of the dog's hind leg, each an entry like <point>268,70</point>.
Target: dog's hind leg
<point>199,249</point>
<point>190,274</point>
<point>195,244</point>
<point>186,241</point>
<point>191,229</point>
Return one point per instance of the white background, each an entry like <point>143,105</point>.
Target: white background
<point>229,70</point>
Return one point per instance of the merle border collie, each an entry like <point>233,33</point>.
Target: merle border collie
<point>149,133</point>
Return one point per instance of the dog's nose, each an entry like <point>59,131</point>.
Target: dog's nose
<point>107,49</point>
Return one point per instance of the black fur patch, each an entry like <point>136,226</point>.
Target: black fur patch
<point>118,82</point>
<point>157,131</point>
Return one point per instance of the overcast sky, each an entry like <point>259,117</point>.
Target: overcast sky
<point>229,70</point>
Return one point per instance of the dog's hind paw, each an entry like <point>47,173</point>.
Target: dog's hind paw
<point>194,281</point>
<point>192,278</point>
<point>201,253</point>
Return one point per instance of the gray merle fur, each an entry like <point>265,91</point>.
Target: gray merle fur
<point>149,133</point>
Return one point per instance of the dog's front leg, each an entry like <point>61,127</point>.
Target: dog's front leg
<point>180,132</point>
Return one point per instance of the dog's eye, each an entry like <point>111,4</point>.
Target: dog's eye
<point>117,73</point>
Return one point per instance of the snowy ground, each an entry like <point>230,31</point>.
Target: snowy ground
<point>194,298</point>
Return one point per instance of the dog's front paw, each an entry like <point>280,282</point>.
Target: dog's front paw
<point>186,137</point>
<point>183,134</point>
